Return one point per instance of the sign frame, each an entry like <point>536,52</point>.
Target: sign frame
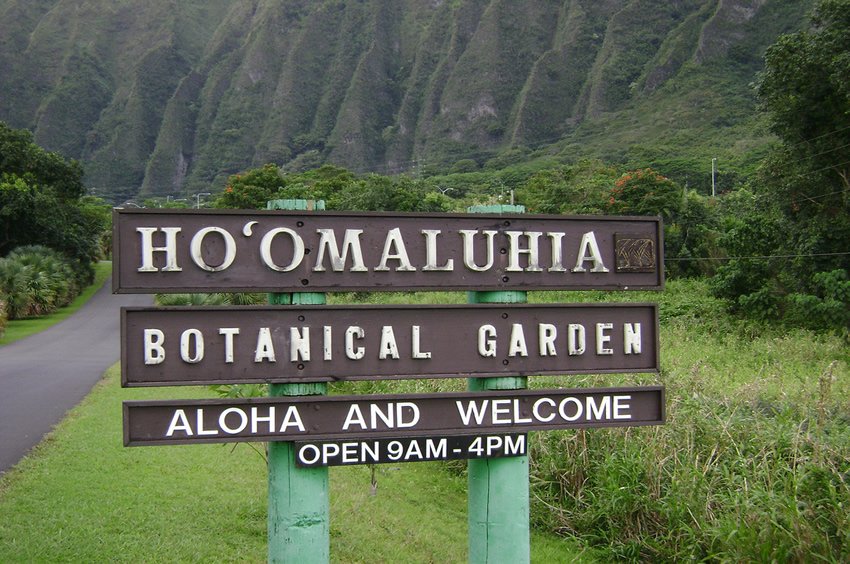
<point>138,414</point>
<point>442,327</point>
<point>246,230</point>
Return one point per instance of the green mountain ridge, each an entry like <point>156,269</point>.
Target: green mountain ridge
<point>168,97</point>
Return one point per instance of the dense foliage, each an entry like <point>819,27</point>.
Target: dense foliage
<point>35,280</point>
<point>50,232</point>
<point>339,188</point>
<point>42,202</point>
<point>791,236</point>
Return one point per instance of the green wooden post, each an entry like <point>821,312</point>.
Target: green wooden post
<point>498,503</point>
<point>299,508</point>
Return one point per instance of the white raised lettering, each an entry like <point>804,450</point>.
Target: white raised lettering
<point>388,347</point>
<point>631,338</point>
<point>394,249</point>
<point>354,417</point>
<point>416,347</point>
<point>601,411</point>
<point>562,409</point>
<point>292,419</point>
<point>199,424</point>
<point>370,453</point>
<point>487,341</point>
<point>413,451</point>
<point>499,408</point>
<point>535,409</point>
<point>469,249</point>
<point>311,451</point>
<point>557,252</point>
<point>328,342</point>
<point>576,341</point>
<point>170,249</point>
<point>431,253</point>
<point>589,250</point>
<point>375,413</point>
<point>256,419</point>
<point>546,335</point>
<point>154,351</point>
<point>473,410</point>
<point>329,450</point>
<point>297,249</point>
<point>265,346</point>
<point>349,452</point>
<point>517,341</point>
<point>406,407</point>
<point>621,405</point>
<point>350,243</point>
<point>352,352</point>
<point>228,333</point>
<point>514,445</point>
<point>518,413</point>
<point>602,338</point>
<point>299,344</point>
<point>532,251</point>
<point>187,339</point>
<point>197,254</point>
<point>241,416</point>
<point>179,422</point>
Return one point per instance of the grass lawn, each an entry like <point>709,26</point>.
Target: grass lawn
<point>82,496</point>
<point>20,328</point>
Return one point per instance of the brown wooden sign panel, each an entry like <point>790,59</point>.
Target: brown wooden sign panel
<point>308,418</point>
<point>418,449</point>
<point>279,251</point>
<point>206,345</point>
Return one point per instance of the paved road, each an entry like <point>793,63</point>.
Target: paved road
<point>45,375</point>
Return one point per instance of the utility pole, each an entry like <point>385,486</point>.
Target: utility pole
<point>713,173</point>
<point>198,199</point>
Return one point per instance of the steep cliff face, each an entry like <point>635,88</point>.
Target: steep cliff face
<point>164,96</point>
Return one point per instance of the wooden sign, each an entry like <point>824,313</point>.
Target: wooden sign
<point>277,251</point>
<point>227,345</point>
<point>308,418</point>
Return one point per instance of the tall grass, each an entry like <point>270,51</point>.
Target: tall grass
<point>752,464</point>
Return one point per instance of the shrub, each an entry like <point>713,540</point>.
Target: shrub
<point>35,280</point>
<point>3,317</point>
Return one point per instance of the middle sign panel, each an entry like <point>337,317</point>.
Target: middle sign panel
<point>212,345</point>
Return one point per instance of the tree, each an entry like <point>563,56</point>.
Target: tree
<point>579,188</point>
<point>802,193</point>
<point>42,203</point>
<point>253,188</point>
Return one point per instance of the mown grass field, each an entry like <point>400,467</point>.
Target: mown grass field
<point>752,465</point>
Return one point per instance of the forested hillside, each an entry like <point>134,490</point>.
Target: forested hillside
<point>166,97</point>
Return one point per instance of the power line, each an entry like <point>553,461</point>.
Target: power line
<point>827,134</point>
<point>756,257</point>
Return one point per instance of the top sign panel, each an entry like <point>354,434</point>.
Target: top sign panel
<point>278,251</point>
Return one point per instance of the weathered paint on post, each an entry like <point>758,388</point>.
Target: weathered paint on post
<point>498,502</point>
<point>299,505</point>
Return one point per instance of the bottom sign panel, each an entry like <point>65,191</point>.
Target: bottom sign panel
<point>419,449</point>
<point>387,416</point>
